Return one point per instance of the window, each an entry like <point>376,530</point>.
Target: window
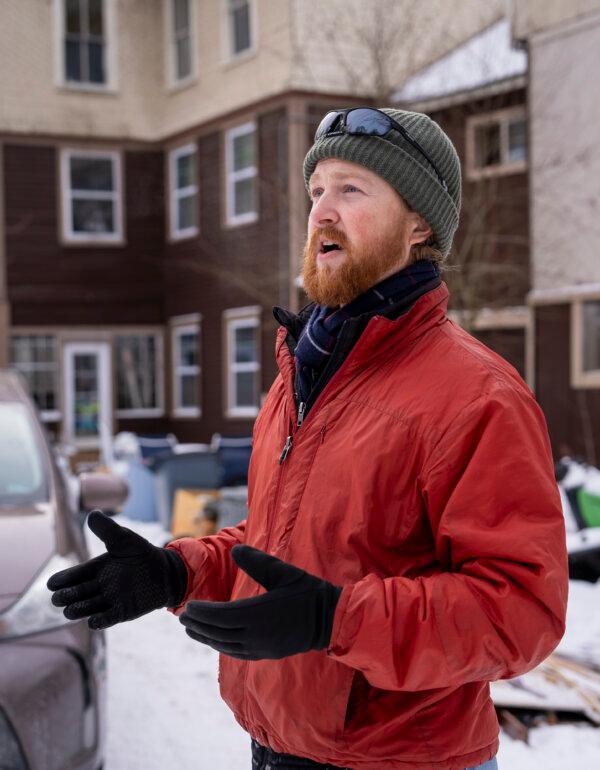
<point>181,43</point>
<point>139,371</point>
<point>591,335</point>
<point>35,357</point>
<point>85,42</point>
<point>497,143</point>
<point>243,362</point>
<point>239,26</point>
<point>585,341</point>
<point>184,192</point>
<point>91,196</point>
<point>242,175</point>
<point>186,368</point>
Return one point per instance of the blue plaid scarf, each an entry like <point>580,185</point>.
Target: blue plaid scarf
<point>318,338</point>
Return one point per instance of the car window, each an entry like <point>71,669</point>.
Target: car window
<point>22,467</point>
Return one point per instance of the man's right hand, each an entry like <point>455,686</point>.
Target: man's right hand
<point>134,577</point>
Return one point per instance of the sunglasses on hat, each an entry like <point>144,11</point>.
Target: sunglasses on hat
<point>370,122</point>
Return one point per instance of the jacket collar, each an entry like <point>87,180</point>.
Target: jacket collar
<point>381,332</point>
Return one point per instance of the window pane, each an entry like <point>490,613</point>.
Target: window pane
<point>86,397</point>
<point>181,15</point>
<point>91,174</point>
<point>186,212</point>
<point>591,336</point>
<point>487,142</point>
<point>517,140</point>
<point>92,216</point>
<point>245,196</point>
<point>245,345</point>
<point>184,60</point>
<point>243,151</point>
<point>95,17</point>
<point>189,390</point>
<point>240,18</point>
<point>96,62</point>
<point>72,60</point>
<point>246,389</point>
<point>136,372</point>
<point>188,349</point>
<point>72,16</point>
<point>186,170</point>
<point>34,356</point>
<point>42,387</point>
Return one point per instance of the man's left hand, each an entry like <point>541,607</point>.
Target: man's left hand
<point>294,615</point>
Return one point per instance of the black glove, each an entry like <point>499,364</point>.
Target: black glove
<point>131,579</point>
<point>295,615</point>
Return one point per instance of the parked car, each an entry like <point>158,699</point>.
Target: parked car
<point>52,671</point>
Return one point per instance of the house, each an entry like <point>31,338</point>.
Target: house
<point>152,207</point>
<point>478,94</point>
<point>563,40</point>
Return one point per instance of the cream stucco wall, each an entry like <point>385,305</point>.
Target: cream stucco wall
<point>31,99</point>
<point>142,104</point>
<point>565,154</point>
<point>298,46</point>
<point>531,16</point>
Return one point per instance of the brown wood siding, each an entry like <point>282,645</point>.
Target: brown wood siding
<point>53,283</point>
<point>500,237</point>
<point>508,343</point>
<point>229,267</point>
<point>573,415</point>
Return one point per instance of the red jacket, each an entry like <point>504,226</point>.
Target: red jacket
<point>422,482</point>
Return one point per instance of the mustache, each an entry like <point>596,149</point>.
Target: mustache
<point>329,234</point>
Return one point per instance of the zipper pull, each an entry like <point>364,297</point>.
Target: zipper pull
<point>301,410</point>
<point>286,450</point>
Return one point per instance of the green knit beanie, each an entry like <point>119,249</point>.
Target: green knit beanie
<point>394,159</point>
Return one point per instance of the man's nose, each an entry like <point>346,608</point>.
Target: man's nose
<point>324,212</point>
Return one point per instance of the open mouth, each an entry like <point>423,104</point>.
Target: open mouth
<point>326,247</point>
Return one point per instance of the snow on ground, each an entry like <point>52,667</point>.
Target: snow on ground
<point>164,708</point>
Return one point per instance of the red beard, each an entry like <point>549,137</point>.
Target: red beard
<point>338,285</point>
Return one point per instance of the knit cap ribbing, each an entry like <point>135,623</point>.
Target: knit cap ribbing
<point>394,159</point>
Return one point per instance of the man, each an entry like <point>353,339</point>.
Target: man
<point>404,544</point>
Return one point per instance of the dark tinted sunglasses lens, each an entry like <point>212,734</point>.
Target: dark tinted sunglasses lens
<point>367,122</point>
<point>326,124</point>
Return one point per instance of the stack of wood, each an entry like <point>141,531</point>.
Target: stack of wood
<point>559,686</point>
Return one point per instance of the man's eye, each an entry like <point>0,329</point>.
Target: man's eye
<point>315,193</point>
<point>351,188</point>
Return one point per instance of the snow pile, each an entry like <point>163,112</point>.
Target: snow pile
<point>485,58</point>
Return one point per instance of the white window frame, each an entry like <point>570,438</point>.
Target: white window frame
<point>240,318</point>
<point>177,193</point>
<point>231,176</point>
<point>184,325</point>
<point>580,377</point>
<point>66,196</point>
<point>229,57</point>
<point>111,55</point>
<point>172,81</point>
<point>159,409</point>
<point>503,118</point>
<point>46,415</point>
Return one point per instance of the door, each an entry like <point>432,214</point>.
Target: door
<point>88,394</point>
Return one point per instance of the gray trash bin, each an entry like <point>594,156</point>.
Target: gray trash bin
<point>232,506</point>
<point>190,470</point>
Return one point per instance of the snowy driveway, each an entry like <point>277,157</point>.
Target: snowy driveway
<point>165,713</point>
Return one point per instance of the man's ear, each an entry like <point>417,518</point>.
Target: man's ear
<point>420,230</point>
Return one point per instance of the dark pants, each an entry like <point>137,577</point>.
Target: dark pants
<point>267,759</point>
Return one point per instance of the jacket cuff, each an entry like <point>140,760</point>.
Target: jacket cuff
<point>178,577</point>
